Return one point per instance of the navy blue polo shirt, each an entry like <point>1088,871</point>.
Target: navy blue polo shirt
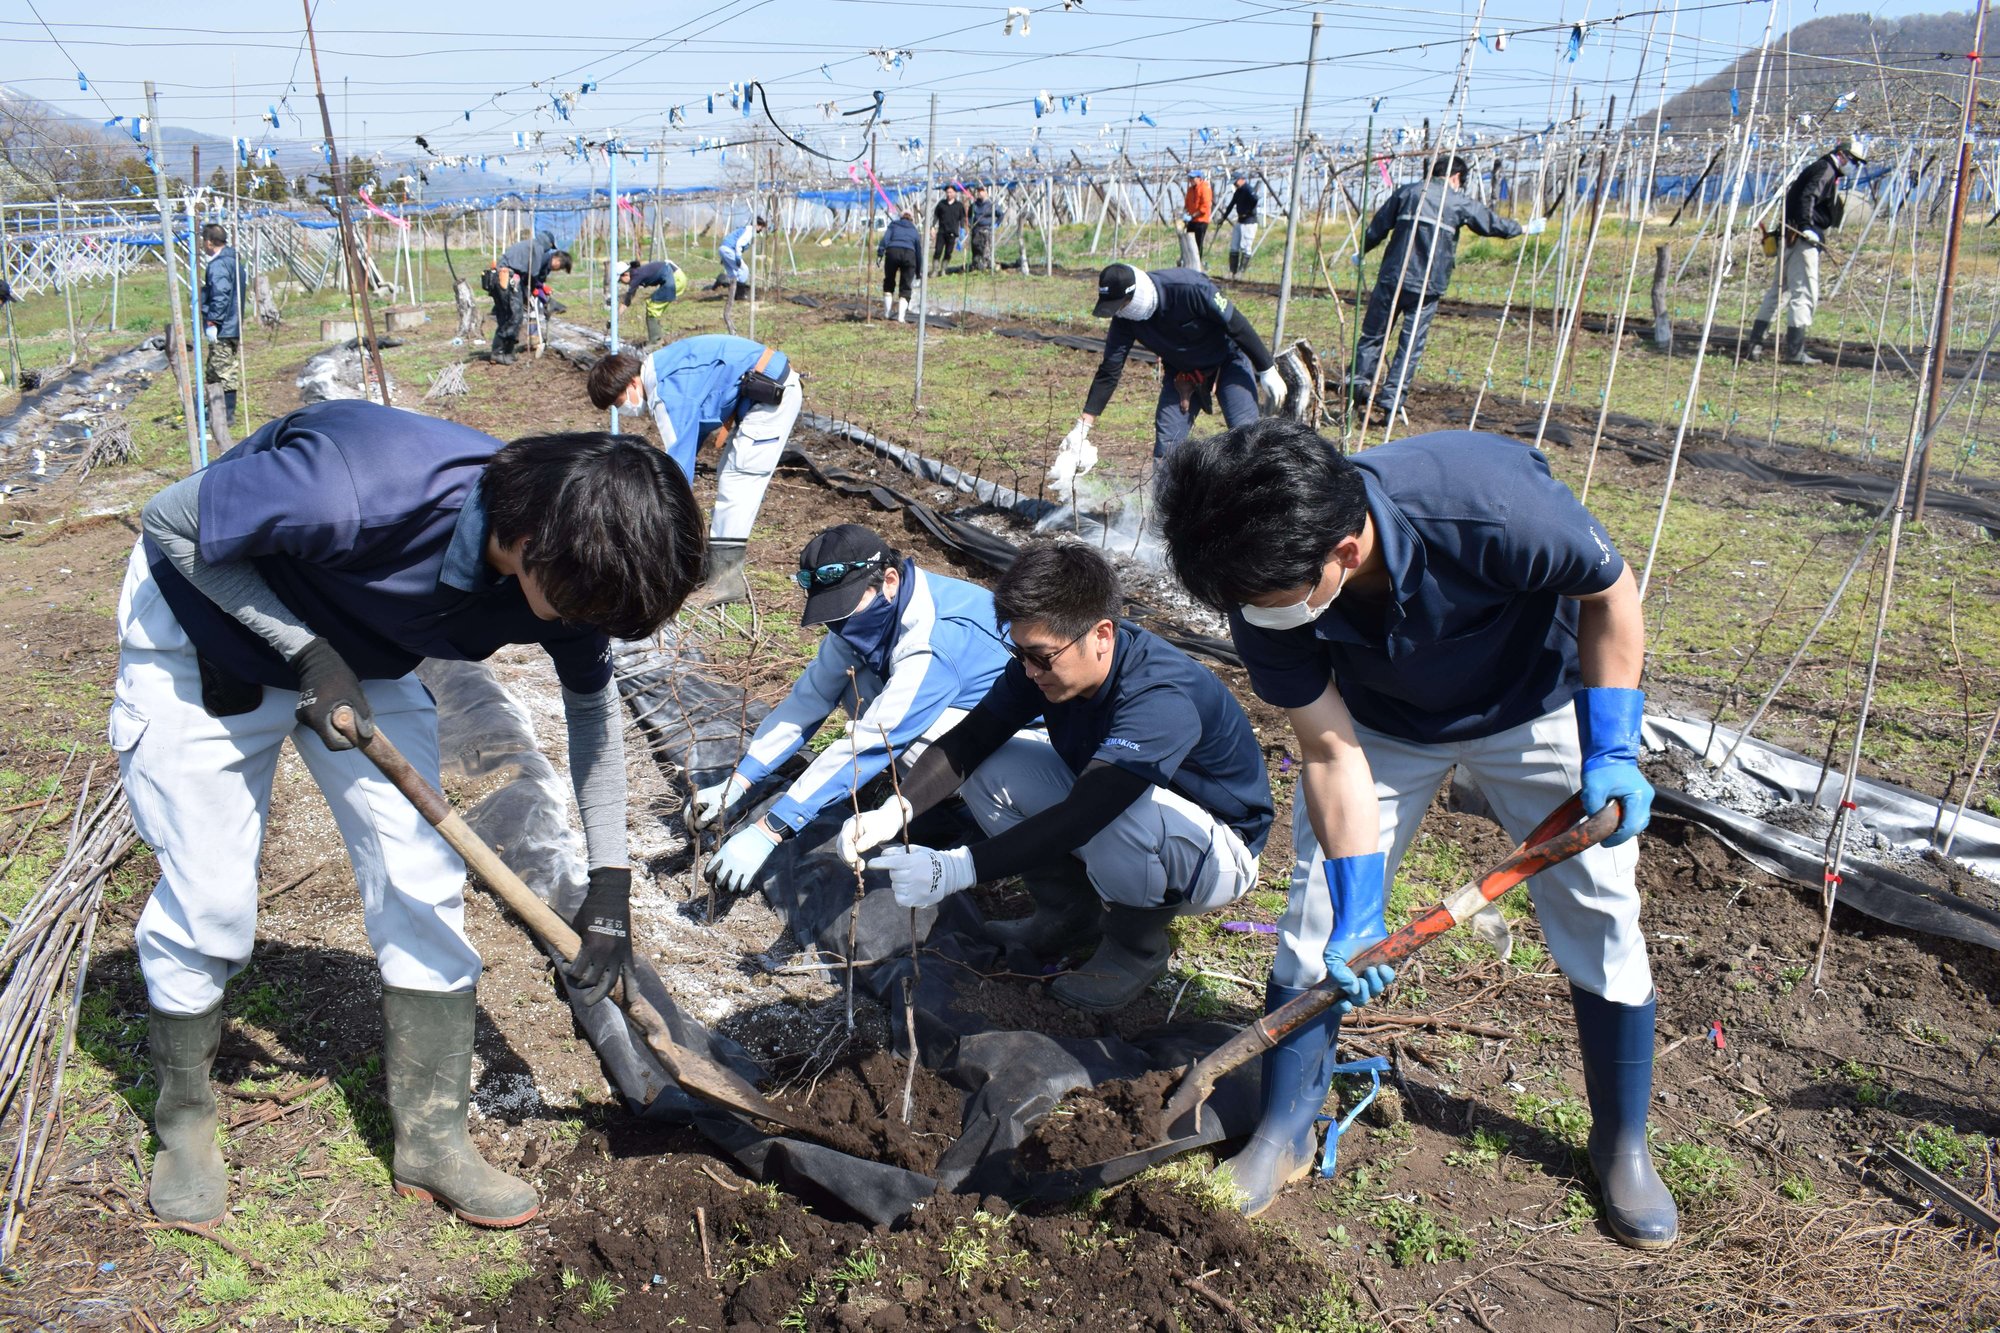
<point>1483,548</point>
<point>368,523</point>
<point>1159,714</point>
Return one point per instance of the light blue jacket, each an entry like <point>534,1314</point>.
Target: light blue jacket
<point>691,388</point>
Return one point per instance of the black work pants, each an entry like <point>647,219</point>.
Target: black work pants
<point>1385,304</point>
<point>945,246</point>
<point>899,268</point>
<point>982,246</point>
<point>510,290</point>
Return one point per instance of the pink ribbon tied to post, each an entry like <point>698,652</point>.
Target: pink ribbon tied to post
<point>380,212</point>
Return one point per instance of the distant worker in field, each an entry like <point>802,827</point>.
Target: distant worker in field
<point>1421,222</point>
<point>1207,351</point>
<point>524,266</point>
<point>735,254</point>
<point>221,289</point>
<point>288,592</point>
<point>1196,206</point>
<point>665,283</point>
<point>983,217</point>
<point>1813,207</point>
<point>923,650</point>
<point>900,248</point>
<point>947,218</point>
<point>1242,206</point>
<point>740,396</point>
<point>1146,799</point>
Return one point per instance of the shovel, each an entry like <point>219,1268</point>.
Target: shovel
<point>1559,837</point>
<point>694,1072</point>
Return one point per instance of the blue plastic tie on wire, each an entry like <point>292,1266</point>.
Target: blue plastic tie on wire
<point>82,84</point>
<point>1374,1066</point>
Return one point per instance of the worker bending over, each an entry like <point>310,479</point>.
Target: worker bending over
<point>1147,798</point>
<point>1421,222</point>
<point>735,254</point>
<point>740,396</point>
<point>1207,351</point>
<point>922,650</point>
<point>305,572</point>
<point>1436,602</point>
<point>665,283</point>
<point>524,266</point>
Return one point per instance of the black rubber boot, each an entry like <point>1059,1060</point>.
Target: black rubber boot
<point>229,407</point>
<point>1132,957</point>
<point>427,1062</point>
<point>190,1182</point>
<point>1755,352</point>
<point>1795,349</point>
<point>1068,913</point>
<point>652,328</point>
<point>1617,1044</point>
<point>726,581</point>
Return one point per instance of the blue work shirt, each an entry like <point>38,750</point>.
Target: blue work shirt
<point>368,523</point>
<point>934,648</point>
<point>1161,715</point>
<point>1484,549</point>
<point>900,234</point>
<point>691,386</point>
<point>1192,328</point>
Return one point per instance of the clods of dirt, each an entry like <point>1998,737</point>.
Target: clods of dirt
<point>859,1107</point>
<point>1094,1125</point>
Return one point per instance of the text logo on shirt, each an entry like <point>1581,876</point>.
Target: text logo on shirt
<point>1602,545</point>
<point>1121,744</point>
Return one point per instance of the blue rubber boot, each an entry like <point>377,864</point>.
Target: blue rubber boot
<point>1617,1043</point>
<point>1296,1075</point>
<point>1298,1071</point>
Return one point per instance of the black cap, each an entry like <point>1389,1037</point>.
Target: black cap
<point>1114,288</point>
<point>848,544</point>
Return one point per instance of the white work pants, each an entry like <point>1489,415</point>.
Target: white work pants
<point>1164,848</point>
<point>200,789</point>
<point>748,460</point>
<point>1796,282</point>
<point>1244,238</point>
<point>1588,906</point>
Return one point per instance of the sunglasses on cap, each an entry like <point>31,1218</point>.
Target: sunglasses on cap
<point>825,576</point>
<point>1039,660</point>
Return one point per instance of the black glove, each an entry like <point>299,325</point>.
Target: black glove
<point>605,923</point>
<point>327,683</point>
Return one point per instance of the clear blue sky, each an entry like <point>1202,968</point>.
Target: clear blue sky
<point>1232,67</point>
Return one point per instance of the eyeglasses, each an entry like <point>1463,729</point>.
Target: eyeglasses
<point>825,576</point>
<point>1041,661</point>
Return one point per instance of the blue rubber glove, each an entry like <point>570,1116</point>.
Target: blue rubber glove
<point>1607,730</point>
<point>737,864</point>
<point>1358,888</point>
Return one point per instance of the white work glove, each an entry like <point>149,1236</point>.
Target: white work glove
<point>1271,389</point>
<point>923,876</point>
<point>1534,226</point>
<point>209,332</point>
<point>1076,456</point>
<point>710,802</point>
<point>735,867</point>
<point>1357,259</point>
<point>868,830</point>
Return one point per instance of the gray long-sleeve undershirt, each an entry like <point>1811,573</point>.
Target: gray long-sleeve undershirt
<point>596,738</point>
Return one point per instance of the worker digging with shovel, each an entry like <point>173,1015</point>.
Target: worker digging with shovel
<point>297,580</point>
<point>1439,601</point>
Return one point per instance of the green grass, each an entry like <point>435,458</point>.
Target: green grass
<point>1941,1148</point>
<point>1698,1173</point>
<point>1413,1235</point>
<point>1197,1176</point>
<point>1565,1121</point>
<point>1482,1151</point>
<point>1578,1211</point>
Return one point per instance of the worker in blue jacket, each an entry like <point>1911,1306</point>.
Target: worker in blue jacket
<point>740,395</point>
<point>900,249</point>
<point>907,654</point>
<point>221,288</point>
<point>666,282</point>
<point>1207,351</point>
<point>734,252</point>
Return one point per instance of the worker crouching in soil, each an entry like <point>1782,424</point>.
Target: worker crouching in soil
<point>1146,798</point>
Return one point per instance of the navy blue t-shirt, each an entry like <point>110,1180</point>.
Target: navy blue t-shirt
<point>1161,715</point>
<point>368,523</point>
<point>1484,548</point>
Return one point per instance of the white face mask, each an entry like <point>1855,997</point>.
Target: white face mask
<point>1293,615</point>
